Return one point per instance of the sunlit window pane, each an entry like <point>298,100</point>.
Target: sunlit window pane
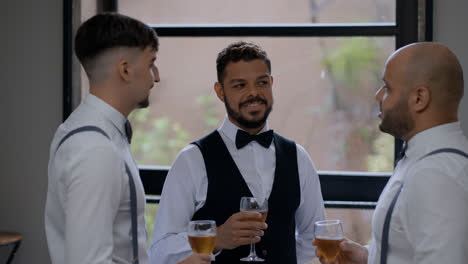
<point>150,215</point>
<point>259,11</point>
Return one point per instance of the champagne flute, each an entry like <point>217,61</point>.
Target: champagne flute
<point>202,236</point>
<point>250,204</point>
<point>328,236</point>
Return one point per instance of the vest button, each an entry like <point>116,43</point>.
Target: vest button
<point>264,252</point>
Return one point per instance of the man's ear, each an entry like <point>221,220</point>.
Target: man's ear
<point>271,80</point>
<point>218,87</point>
<point>420,98</point>
<point>124,69</point>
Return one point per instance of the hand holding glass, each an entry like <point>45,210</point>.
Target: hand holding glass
<point>250,204</point>
<point>328,236</point>
<point>202,236</point>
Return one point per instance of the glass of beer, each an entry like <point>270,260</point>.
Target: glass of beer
<point>202,236</point>
<point>328,236</point>
<point>250,204</point>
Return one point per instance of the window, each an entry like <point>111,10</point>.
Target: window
<point>327,57</point>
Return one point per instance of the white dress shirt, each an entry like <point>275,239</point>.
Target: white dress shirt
<point>186,186</point>
<point>87,215</point>
<point>429,222</point>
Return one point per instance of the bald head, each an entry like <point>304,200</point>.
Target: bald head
<point>431,65</point>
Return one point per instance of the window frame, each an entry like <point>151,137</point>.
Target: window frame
<point>365,187</point>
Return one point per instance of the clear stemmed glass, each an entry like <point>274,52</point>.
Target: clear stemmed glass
<point>328,236</point>
<point>202,236</point>
<point>250,204</point>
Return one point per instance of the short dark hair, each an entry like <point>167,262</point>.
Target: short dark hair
<point>109,30</point>
<point>239,51</point>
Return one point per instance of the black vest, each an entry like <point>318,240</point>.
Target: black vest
<point>226,186</point>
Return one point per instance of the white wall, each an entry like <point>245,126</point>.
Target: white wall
<point>450,20</point>
<point>31,108</point>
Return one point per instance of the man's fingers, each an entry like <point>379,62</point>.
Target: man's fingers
<point>323,260</point>
<point>243,225</point>
<point>197,258</point>
<point>240,229</point>
<point>206,258</point>
<point>248,233</point>
<point>245,241</point>
<point>318,254</point>
<point>248,220</point>
<point>248,216</point>
<point>345,246</point>
<point>244,237</point>
<point>248,240</point>
<point>245,214</point>
<point>348,245</point>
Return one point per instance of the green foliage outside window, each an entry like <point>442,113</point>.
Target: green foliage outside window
<point>354,68</point>
<point>351,58</point>
<point>381,159</point>
<point>151,209</point>
<point>209,116</point>
<point>157,141</point>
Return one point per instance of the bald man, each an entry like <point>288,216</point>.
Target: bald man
<point>422,88</point>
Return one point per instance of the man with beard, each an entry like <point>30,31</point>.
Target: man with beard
<point>421,215</point>
<point>241,158</point>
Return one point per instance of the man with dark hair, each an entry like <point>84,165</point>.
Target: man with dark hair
<point>421,215</point>
<point>95,209</point>
<point>241,158</point>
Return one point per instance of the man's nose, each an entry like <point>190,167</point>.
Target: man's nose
<point>253,89</point>
<point>156,74</point>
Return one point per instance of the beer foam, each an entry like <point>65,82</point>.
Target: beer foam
<point>330,237</point>
<point>202,234</point>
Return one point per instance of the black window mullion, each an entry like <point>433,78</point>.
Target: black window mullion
<point>429,20</point>
<point>406,22</point>
<point>287,30</point>
<point>67,58</point>
<point>340,187</point>
<point>108,6</point>
<point>407,33</point>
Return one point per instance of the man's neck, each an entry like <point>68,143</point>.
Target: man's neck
<point>111,98</point>
<point>428,125</point>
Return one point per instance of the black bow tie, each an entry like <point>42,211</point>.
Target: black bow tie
<point>243,138</point>
<point>128,131</point>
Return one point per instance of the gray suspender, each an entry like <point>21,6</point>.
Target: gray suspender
<point>131,183</point>
<point>133,211</point>
<point>386,227</point>
<point>388,216</point>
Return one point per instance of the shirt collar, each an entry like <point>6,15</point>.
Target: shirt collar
<point>431,139</point>
<point>108,112</point>
<point>230,129</point>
